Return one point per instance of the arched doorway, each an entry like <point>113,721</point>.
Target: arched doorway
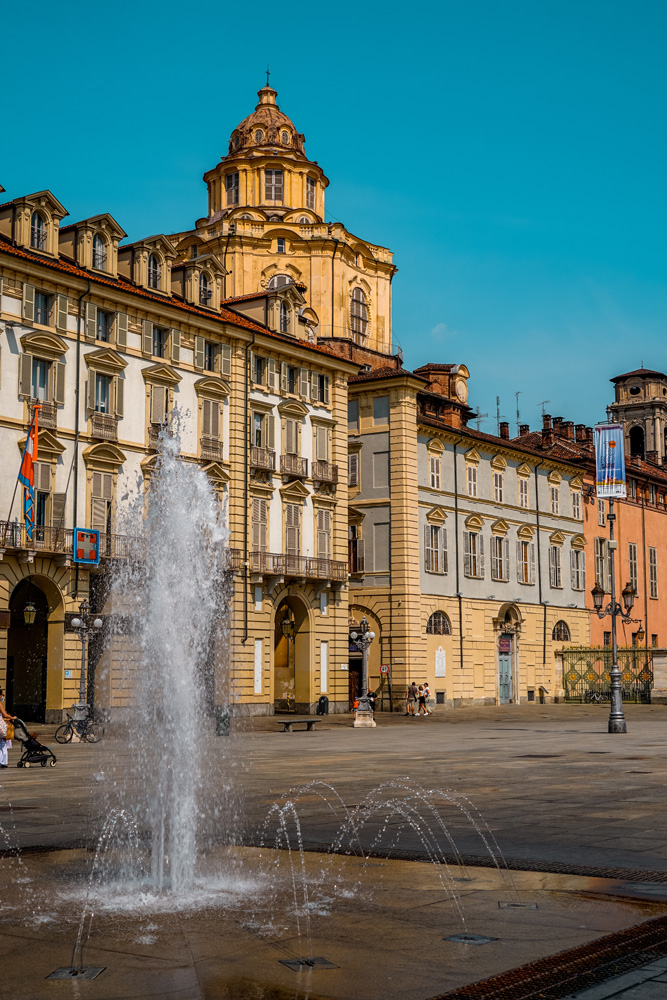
<point>27,653</point>
<point>508,627</point>
<point>637,442</point>
<point>291,657</point>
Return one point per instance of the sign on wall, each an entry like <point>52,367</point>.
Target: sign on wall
<point>609,460</point>
<point>86,546</point>
<point>440,662</point>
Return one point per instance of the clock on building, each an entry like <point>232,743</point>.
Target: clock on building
<point>461,390</point>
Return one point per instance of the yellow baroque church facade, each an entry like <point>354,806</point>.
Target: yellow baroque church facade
<point>272,329</point>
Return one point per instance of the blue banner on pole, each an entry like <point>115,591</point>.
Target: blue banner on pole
<point>609,461</point>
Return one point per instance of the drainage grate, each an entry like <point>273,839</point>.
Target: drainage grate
<point>569,972</point>
<point>469,939</point>
<point>67,972</point>
<point>517,906</point>
<point>303,964</point>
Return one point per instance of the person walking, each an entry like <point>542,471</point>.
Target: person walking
<point>411,696</point>
<point>422,701</point>
<point>5,744</point>
<point>427,698</point>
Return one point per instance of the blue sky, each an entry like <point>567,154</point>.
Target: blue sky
<point>512,155</point>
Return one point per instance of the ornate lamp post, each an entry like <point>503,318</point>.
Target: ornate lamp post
<point>362,641</point>
<point>614,610</point>
<point>83,625</point>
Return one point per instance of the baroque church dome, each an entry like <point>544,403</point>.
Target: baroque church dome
<point>267,128</point>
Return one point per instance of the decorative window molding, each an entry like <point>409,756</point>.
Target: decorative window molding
<point>555,478</point>
<point>473,456</point>
<point>499,463</point>
<point>500,527</point>
<point>474,522</point>
<point>526,531</point>
<point>438,624</point>
<point>436,515</point>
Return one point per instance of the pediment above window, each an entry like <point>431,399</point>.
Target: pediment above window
<point>474,522</point>
<point>294,491</point>
<point>523,470</point>
<point>293,408</point>
<point>556,537</point>
<point>104,453</point>
<point>49,445</point>
<point>576,483</point>
<point>473,456</point>
<point>44,345</point>
<point>500,527</point>
<point>216,472</point>
<point>162,374</point>
<point>578,542</point>
<point>216,388</point>
<point>499,463</point>
<point>526,532</point>
<point>435,446</point>
<point>355,516</point>
<point>555,478</point>
<point>105,359</point>
<point>436,515</point>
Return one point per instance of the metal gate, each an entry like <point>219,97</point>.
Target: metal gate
<point>587,673</point>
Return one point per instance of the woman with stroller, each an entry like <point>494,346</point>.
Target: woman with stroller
<point>5,717</point>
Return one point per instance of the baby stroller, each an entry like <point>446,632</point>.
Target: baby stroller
<point>34,752</point>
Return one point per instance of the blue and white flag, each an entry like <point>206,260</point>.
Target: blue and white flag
<point>609,461</point>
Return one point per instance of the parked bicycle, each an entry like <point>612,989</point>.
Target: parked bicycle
<point>87,730</point>
<point>598,697</point>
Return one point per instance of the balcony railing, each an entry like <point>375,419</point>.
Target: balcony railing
<point>294,465</point>
<point>211,448</point>
<point>306,567</point>
<point>153,434</point>
<point>59,541</point>
<point>262,458</point>
<point>48,415</point>
<point>325,472</point>
<point>104,426</point>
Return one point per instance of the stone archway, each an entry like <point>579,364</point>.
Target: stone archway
<point>291,657</point>
<point>27,653</point>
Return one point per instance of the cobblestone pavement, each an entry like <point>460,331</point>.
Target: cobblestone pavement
<point>647,983</point>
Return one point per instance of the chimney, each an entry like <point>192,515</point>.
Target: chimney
<point>568,430</point>
<point>504,429</point>
<point>557,422</point>
<point>547,432</point>
<point>546,421</point>
<point>524,429</point>
<point>651,456</point>
<point>581,437</point>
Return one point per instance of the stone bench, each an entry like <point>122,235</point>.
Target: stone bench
<point>309,722</point>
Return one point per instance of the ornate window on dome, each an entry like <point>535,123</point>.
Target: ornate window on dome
<point>303,220</point>
<point>273,185</point>
<point>259,135</point>
<point>232,188</point>
<point>278,280</point>
<point>284,137</point>
<point>359,312</point>
<point>237,141</point>
<point>311,187</point>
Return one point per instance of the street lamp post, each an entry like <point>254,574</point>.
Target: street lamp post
<point>362,641</point>
<point>83,625</point>
<point>614,610</point>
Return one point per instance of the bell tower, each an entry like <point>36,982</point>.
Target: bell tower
<point>641,406</point>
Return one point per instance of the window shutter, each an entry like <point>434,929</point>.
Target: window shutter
<point>158,404</point>
<point>573,569</point>
<point>226,360</point>
<point>480,561</point>
<point>519,561</point>
<point>323,529</point>
<point>119,396</point>
<point>206,417</point>
<point>92,379</point>
<point>199,352</point>
<point>271,374</point>
<point>43,477</point>
<point>121,329</point>
<point>28,301</point>
<point>582,572</point>
<point>467,557</point>
<point>353,469</point>
<point>443,546</point>
<point>59,383</point>
<point>532,562</point>
<point>292,529</point>
<point>283,376</point>
<point>495,567</point>
<point>428,552</point>
<point>324,394</point>
<point>62,309</point>
<point>253,365</point>
<point>91,321</point>
<point>25,375</point>
<point>322,450</point>
<point>58,501</point>
<point>303,383</point>
<point>215,419</point>
<point>270,432</point>
<point>98,514</point>
<point>506,559</point>
<point>147,336</point>
<point>315,381</point>
<point>175,341</point>
<point>290,437</point>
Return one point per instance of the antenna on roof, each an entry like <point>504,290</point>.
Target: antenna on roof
<point>498,415</point>
<point>518,427</point>
<point>543,404</point>
<point>479,417</point>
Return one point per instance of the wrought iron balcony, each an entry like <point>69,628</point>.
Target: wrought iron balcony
<point>325,472</point>
<point>303,567</point>
<point>153,434</point>
<point>104,426</point>
<point>58,541</point>
<point>211,448</point>
<point>48,415</point>
<point>262,458</point>
<point>294,465</point>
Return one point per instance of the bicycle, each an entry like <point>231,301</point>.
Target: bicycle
<point>87,731</point>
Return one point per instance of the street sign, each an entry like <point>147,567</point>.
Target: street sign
<point>384,668</point>
<point>86,546</point>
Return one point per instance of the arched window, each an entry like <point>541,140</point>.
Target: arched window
<point>284,138</point>
<point>99,253</point>
<point>637,442</point>
<point>359,312</point>
<point>284,317</point>
<point>438,624</point>
<point>561,632</point>
<point>37,232</point>
<point>303,220</point>
<point>278,280</point>
<point>153,272</point>
<point>259,135</point>
<point>205,292</point>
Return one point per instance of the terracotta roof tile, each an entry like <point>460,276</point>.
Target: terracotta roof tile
<point>386,372</point>
<point>638,372</point>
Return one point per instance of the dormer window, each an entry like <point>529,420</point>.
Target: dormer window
<point>311,186</point>
<point>153,272</point>
<point>280,245</point>
<point>284,138</point>
<point>273,185</point>
<point>194,251</point>
<point>278,280</point>
<point>232,188</point>
<point>284,317</point>
<point>359,312</point>
<point>99,253</point>
<point>259,135</point>
<point>205,293</point>
<point>37,232</point>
